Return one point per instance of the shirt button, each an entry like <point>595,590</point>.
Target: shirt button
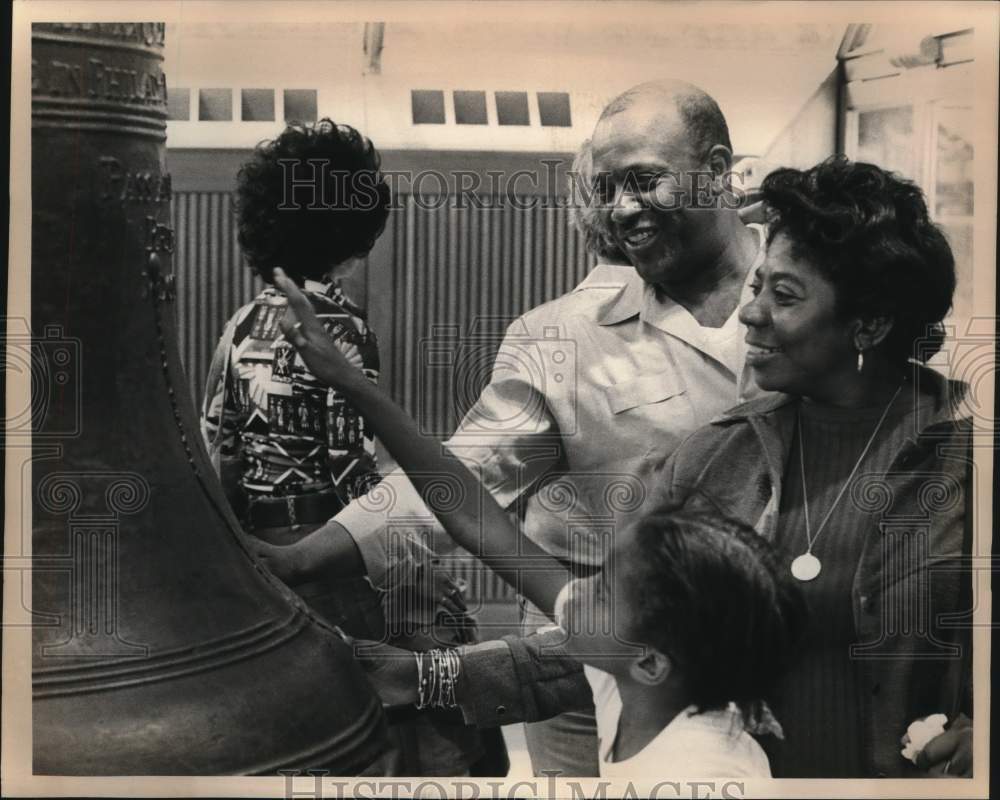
<point>501,710</point>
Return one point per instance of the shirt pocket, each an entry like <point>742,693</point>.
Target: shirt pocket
<point>643,391</point>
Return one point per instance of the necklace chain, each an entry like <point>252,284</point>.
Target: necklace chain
<point>810,539</point>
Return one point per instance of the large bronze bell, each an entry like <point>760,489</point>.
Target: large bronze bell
<point>160,647</point>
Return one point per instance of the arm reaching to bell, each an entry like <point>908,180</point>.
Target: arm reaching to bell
<point>506,550</point>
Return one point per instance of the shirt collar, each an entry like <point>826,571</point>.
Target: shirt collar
<point>951,400</point>
<point>626,304</point>
<point>606,276</point>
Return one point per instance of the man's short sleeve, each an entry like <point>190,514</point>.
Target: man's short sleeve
<point>508,438</point>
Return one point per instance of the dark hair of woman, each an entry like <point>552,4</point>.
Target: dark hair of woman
<point>713,598</point>
<point>870,233</point>
<point>292,215</point>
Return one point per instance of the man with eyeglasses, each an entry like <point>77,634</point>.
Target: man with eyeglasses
<point>589,393</point>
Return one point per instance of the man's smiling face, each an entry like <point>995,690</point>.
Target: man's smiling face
<point>646,170</point>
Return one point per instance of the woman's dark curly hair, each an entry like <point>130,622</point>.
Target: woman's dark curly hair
<point>712,596</point>
<point>870,234</point>
<point>280,223</point>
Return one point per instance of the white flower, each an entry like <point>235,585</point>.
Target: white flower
<point>920,733</point>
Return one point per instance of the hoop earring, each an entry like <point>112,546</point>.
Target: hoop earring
<point>861,360</point>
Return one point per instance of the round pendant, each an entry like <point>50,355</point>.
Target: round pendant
<point>806,567</point>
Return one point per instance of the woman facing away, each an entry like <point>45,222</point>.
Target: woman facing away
<point>292,451</point>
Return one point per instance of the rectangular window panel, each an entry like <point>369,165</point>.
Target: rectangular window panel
<point>512,108</point>
<point>470,108</point>
<point>954,199</point>
<point>885,138</point>
<point>215,105</point>
<point>179,104</point>
<point>300,105</point>
<point>954,173</point>
<point>428,106</point>
<point>553,109</point>
<point>258,105</point>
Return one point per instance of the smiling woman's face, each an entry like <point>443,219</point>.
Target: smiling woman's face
<point>799,344</point>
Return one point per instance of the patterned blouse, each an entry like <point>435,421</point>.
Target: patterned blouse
<point>293,435</point>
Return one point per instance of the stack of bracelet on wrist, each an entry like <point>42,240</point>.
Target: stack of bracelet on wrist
<point>437,672</point>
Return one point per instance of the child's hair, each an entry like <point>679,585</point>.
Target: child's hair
<point>279,227</point>
<point>714,599</point>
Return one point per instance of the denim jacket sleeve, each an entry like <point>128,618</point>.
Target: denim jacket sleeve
<point>520,679</point>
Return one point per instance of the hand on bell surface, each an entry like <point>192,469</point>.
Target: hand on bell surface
<point>327,553</point>
<point>282,561</point>
<point>302,328</point>
<point>392,670</point>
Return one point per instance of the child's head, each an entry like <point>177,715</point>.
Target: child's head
<point>310,200</point>
<point>703,597</point>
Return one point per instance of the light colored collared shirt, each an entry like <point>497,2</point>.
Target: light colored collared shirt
<point>589,393</point>
<point>711,744</point>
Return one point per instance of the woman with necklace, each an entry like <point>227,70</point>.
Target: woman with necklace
<point>856,468</point>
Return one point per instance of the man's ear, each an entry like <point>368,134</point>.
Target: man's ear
<point>651,669</point>
<point>870,333</point>
<point>720,162</point>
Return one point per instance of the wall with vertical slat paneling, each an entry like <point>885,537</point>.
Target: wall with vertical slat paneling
<point>212,280</point>
<point>467,272</point>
